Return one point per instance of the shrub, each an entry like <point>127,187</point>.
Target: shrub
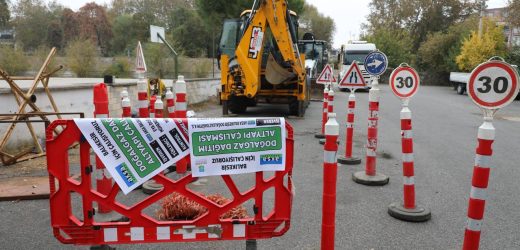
<point>513,56</point>
<point>120,68</point>
<point>81,57</point>
<point>13,61</point>
<point>39,56</point>
<point>202,68</point>
<point>476,50</point>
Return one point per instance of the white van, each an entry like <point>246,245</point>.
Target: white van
<point>354,51</point>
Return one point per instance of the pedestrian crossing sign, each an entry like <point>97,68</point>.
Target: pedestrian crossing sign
<point>353,78</point>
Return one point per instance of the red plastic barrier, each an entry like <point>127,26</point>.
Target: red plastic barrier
<point>141,228</point>
<point>103,180</point>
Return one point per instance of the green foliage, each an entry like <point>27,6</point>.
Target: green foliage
<point>31,22</point>
<point>397,45</point>
<point>476,50</point>
<point>121,68</point>
<point>81,57</point>
<point>190,33</point>
<point>5,14</point>
<point>514,12</point>
<point>202,69</point>
<point>158,59</point>
<point>513,56</point>
<point>13,61</point>
<point>437,54</point>
<point>39,56</point>
<point>215,11</point>
<point>419,17</point>
<point>123,34</point>
<point>323,27</point>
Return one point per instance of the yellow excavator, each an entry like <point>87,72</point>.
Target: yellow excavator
<point>260,61</point>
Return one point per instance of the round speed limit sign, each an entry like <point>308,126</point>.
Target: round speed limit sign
<point>404,81</point>
<point>493,84</point>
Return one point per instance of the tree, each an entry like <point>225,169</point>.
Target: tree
<point>31,21</point>
<point>5,14</point>
<point>123,34</point>
<point>12,60</point>
<point>214,12</point>
<point>419,17</point>
<point>437,54</point>
<point>81,57</point>
<point>514,12</point>
<point>70,26</point>
<point>159,9</point>
<point>513,56</point>
<point>94,25</point>
<point>312,21</point>
<point>189,33</point>
<point>476,50</point>
<point>397,45</point>
<point>157,58</point>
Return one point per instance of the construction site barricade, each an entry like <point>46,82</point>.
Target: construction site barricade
<point>139,227</point>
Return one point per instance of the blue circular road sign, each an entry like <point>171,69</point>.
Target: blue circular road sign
<point>376,63</point>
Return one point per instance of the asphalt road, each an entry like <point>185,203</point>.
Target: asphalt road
<point>445,128</point>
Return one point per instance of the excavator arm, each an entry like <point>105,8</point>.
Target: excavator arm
<point>273,14</point>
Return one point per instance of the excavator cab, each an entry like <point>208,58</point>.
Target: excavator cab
<point>230,37</point>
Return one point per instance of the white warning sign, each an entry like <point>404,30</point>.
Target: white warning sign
<point>353,78</point>
<point>326,76</point>
<point>140,64</point>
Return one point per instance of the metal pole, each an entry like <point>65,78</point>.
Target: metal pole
<point>482,8</point>
<point>213,55</point>
<point>175,55</point>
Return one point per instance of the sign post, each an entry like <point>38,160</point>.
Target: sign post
<point>404,82</point>
<point>492,85</point>
<point>326,76</point>
<point>354,80</point>
<point>376,64</point>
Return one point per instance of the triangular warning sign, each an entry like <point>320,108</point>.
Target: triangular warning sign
<point>326,76</point>
<point>353,78</point>
<point>140,64</point>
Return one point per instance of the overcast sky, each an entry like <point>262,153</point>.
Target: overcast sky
<point>348,14</point>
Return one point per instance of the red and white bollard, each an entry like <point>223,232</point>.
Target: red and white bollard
<point>348,159</point>
<point>180,112</point>
<point>408,210</point>
<point>369,176</point>
<point>124,93</point>
<point>103,177</point>
<point>330,107</point>
<point>127,109</point>
<point>159,108</point>
<point>170,103</point>
<point>479,184</point>
<point>330,173</point>
<point>324,112</point>
<point>142,97</point>
<point>151,106</point>
<point>181,98</point>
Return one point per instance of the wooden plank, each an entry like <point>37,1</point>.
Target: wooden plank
<point>24,188</point>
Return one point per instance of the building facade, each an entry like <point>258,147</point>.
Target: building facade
<point>501,16</point>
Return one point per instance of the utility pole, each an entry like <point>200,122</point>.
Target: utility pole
<point>482,8</point>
